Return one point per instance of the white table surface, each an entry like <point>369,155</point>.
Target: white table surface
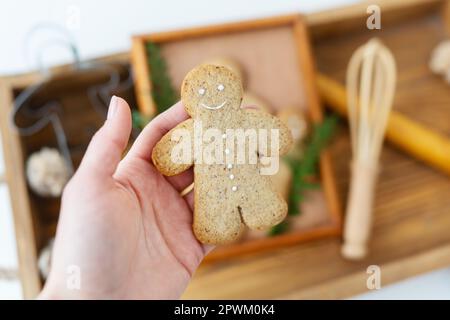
<point>104,27</point>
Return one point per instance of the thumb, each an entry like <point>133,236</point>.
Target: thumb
<point>106,147</point>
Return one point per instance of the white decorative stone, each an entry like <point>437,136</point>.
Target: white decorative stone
<point>227,151</point>
<point>234,188</point>
<point>229,166</point>
<point>45,257</point>
<point>220,87</point>
<point>231,176</point>
<point>47,172</point>
<point>201,91</point>
<point>224,136</point>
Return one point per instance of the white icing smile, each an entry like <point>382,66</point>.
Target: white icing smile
<point>213,107</point>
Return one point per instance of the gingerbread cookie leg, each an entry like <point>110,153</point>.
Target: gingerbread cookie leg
<point>264,208</point>
<point>215,222</point>
<point>216,217</point>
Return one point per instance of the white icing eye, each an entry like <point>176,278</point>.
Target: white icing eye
<point>220,87</point>
<point>201,91</point>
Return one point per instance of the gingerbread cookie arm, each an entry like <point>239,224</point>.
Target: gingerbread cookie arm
<point>264,120</point>
<point>171,162</point>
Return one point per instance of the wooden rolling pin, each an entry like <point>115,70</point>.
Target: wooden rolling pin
<point>409,135</point>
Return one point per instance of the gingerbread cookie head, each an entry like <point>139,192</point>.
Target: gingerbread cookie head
<point>229,63</point>
<point>209,88</point>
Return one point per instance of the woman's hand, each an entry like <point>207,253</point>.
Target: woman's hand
<point>123,225</point>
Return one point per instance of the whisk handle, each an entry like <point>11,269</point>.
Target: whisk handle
<point>358,218</point>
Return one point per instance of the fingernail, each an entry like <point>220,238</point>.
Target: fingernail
<point>112,109</point>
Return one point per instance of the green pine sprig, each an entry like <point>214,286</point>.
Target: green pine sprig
<point>163,93</point>
<point>280,228</point>
<point>139,121</point>
<point>305,167</point>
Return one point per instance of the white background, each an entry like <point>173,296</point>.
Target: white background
<point>106,26</point>
<point>103,27</point>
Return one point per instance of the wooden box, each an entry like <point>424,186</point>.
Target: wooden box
<point>35,217</point>
<point>411,223</point>
<point>277,63</point>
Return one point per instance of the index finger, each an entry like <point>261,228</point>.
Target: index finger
<point>155,130</point>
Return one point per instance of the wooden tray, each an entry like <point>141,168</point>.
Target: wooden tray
<point>412,210</point>
<point>35,217</point>
<point>275,56</point>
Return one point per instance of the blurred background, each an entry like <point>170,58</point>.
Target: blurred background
<point>104,28</point>
<point>116,23</point>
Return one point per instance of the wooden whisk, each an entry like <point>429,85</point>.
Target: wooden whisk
<point>371,77</point>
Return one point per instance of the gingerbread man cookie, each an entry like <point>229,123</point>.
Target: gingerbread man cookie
<point>228,193</point>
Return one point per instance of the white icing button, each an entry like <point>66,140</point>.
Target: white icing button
<point>201,91</point>
<point>229,166</point>
<point>224,136</point>
<point>231,176</point>
<point>234,188</point>
<point>227,151</point>
<point>220,87</point>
